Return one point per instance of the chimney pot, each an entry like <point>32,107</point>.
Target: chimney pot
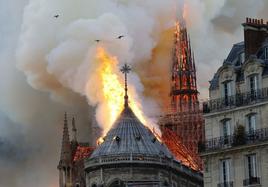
<point>254,38</point>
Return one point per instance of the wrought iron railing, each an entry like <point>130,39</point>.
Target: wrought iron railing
<point>241,99</point>
<point>222,142</point>
<point>226,184</point>
<point>251,181</point>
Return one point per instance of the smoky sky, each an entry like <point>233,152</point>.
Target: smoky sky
<point>31,118</point>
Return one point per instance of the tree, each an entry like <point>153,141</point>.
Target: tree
<point>239,135</point>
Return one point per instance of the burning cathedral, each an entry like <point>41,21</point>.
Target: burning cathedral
<point>133,155</point>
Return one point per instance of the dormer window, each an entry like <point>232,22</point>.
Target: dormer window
<point>227,91</point>
<point>242,58</point>
<point>253,86</point>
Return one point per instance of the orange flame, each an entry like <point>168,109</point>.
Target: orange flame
<point>113,90</point>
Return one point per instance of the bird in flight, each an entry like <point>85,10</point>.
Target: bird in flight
<point>97,41</point>
<point>56,16</point>
<point>121,36</point>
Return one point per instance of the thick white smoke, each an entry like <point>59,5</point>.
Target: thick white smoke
<point>52,52</point>
<point>57,53</point>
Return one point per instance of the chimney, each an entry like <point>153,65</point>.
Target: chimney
<point>255,33</point>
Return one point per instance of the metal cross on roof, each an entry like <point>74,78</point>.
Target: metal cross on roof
<point>125,69</point>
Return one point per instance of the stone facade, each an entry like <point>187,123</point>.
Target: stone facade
<point>236,116</point>
<point>138,176</point>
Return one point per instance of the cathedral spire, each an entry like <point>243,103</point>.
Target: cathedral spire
<point>184,92</point>
<point>65,146</point>
<point>125,69</point>
<point>65,164</point>
<point>74,130</point>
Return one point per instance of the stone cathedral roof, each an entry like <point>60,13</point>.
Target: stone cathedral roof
<point>129,136</point>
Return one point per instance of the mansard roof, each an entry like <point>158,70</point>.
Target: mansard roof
<point>129,136</point>
<point>233,56</point>
<point>233,59</point>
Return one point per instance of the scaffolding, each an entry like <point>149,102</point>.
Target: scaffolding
<point>183,120</point>
<point>188,126</point>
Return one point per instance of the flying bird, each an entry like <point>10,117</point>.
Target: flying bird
<point>121,36</point>
<point>97,41</point>
<point>56,16</point>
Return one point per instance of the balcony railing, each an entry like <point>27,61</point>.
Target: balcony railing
<point>241,99</point>
<point>226,184</point>
<point>222,142</point>
<point>251,181</point>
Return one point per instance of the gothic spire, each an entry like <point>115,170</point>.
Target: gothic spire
<point>65,146</point>
<point>74,130</point>
<point>125,69</point>
<point>183,90</point>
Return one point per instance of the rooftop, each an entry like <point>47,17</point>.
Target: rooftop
<point>129,136</point>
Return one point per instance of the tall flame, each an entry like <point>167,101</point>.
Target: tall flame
<point>113,90</point>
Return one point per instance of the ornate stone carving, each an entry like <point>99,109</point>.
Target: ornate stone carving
<point>252,69</point>
<point>227,75</point>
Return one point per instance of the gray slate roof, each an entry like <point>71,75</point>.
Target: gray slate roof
<point>233,60</point>
<point>129,136</point>
<point>233,56</point>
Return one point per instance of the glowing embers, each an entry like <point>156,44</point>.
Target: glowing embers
<point>82,152</point>
<point>100,140</point>
<point>180,151</point>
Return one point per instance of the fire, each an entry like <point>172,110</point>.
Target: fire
<point>112,86</point>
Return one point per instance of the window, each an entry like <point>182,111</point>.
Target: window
<point>251,166</point>
<point>266,53</point>
<point>242,57</point>
<point>227,91</point>
<point>251,123</point>
<point>225,171</point>
<point>226,130</point>
<point>253,83</point>
<point>251,170</point>
<point>226,124</point>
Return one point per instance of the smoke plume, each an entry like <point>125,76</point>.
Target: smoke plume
<point>46,63</point>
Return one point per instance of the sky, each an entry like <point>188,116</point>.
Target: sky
<point>36,88</point>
